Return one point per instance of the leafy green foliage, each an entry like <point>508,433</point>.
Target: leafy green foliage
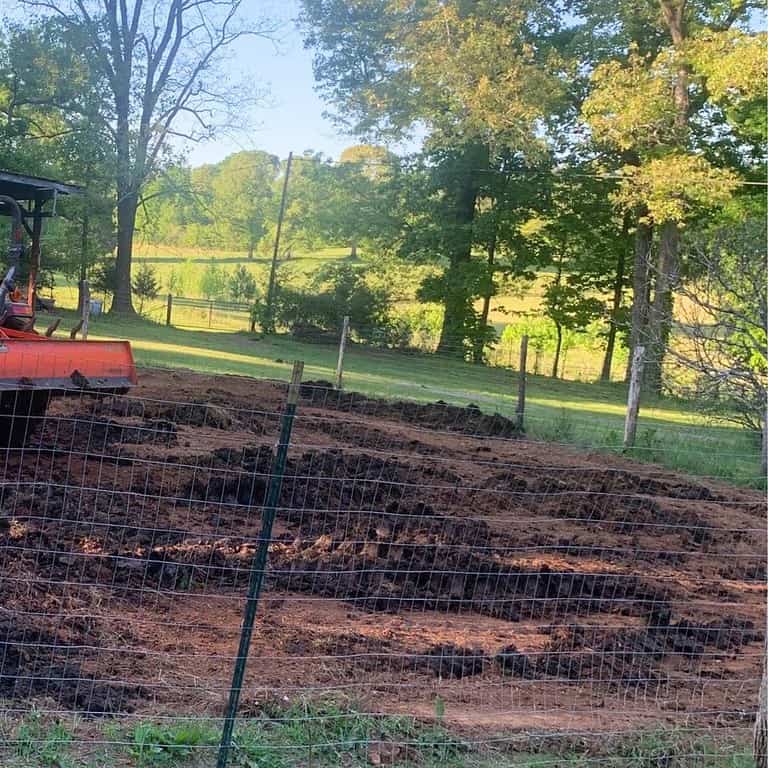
<point>242,284</point>
<point>213,281</point>
<point>145,284</point>
<point>104,277</point>
<point>154,745</point>
<point>336,291</point>
<point>628,105</point>
<point>45,742</point>
<point>676,187</point>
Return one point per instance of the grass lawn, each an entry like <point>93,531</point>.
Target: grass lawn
<point>590,415</point>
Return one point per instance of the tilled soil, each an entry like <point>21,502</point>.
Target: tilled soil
<point>419,550</point>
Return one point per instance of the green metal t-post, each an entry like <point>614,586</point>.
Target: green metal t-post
<point>259,565</point>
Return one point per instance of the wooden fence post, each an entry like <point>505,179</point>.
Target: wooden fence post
<point>168,309</point>
<point>522,374</point>
<point>86,291</point>
<point>85,311</point>
<point>761,721</point>
<point>342,348</point>
<point>633,398</point>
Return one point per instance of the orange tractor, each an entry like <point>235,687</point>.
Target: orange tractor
<point>35,367</point>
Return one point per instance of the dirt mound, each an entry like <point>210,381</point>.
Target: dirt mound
<point>359,435</point>
<point>610,482</point>
<point>334,482</point>
<point>398,556</point>
<point>449,660</point>
<point>89,434</point>
<point>635,656</point>
<point>413,573</point>
<point>438,416</point>
<point>35,663</point>
<point>511,661</point>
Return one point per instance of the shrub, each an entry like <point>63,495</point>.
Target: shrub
<point>336,291</point>
<point>145,284</point>
<point>242,284</point>
<point>213,282</point>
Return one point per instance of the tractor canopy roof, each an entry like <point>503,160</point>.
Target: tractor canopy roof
<point>34,189</point>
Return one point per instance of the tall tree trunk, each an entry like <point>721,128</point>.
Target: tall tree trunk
<point>558,347</point>
<point>353,249</point>
<point>618,291</point>
<point>462,190</point>
<point>477,355</point>
<point>251,246</point>
<point>84,243</point>
<point>126,223</point>
<point>660,318</point>
<point>641,277</point>
<point>669,241</point>
<point>127,193</point>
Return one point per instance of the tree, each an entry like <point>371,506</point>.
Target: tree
<point>242,284</point>
<point>334,292</point>
<point>569,309</point>
<point>145,284</point>
<point>363,169</point>
<point>725,317</point>
<point>467,73</point>
<point>104,277</point>
<point>581,237</point>
<point>161,66</point>
<point>213,281</point>
<point>52,124</point>
<point>651,102</point>
<point>242,188</point>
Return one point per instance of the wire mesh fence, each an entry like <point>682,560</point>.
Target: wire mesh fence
<point>441,589</point>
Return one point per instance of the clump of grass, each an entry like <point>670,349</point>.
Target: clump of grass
<point>40,741</point>
<point>155,745</point>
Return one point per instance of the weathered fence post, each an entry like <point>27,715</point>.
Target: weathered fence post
<point>633,398</point>
<point>85,312</point>
<point>342,348</point>
<point>523,373</point>
<point>168,309</point>
<point>259,564</point>
<point>761,723</point>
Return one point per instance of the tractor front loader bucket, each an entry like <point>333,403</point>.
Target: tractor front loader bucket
<point>34,369</point>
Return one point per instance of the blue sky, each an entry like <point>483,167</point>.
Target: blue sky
<point>292,116</point>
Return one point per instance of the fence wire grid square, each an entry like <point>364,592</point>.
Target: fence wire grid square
<point>440,589</point>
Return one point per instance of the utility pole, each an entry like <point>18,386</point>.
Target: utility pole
<point>269,323</point>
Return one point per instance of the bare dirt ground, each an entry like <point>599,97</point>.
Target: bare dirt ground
<point>419,551</point>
